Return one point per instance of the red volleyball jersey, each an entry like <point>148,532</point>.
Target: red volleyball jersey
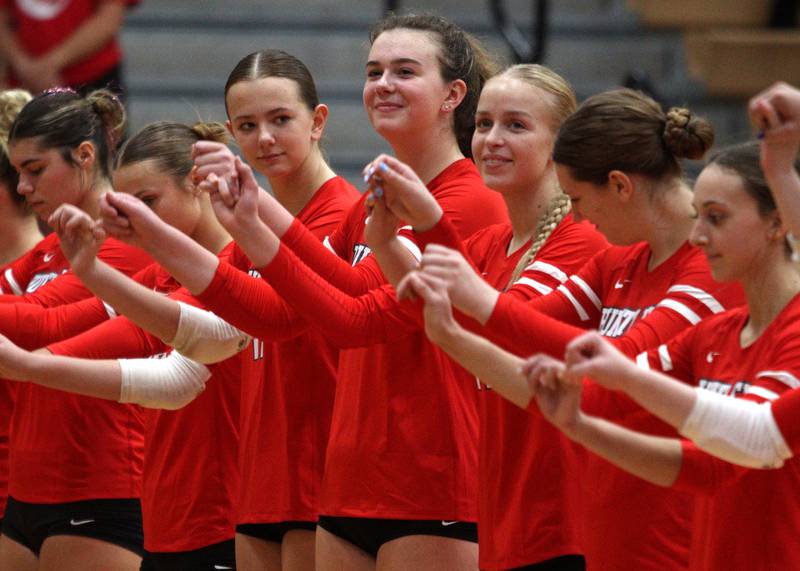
<point>637,308</point>
<point>460,182</point>
<point>287,392</point>
<point>744,519</point>
<point>55,436</point>
<point>404,430</point>
<point>190,465</point>
<point>528,480</point>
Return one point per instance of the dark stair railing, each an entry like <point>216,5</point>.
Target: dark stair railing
<point>524,48</point>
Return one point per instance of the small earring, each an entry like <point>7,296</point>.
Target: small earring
<point>446,107</point>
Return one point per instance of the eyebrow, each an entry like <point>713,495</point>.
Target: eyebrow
<point>270,112</point>
<point>26,162</point>
<point>505,113</point>
<point>396,61</point>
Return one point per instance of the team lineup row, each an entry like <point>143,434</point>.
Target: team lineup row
<point>204,375</point>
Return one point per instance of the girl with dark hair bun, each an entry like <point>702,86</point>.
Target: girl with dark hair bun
<point>188,498</point>
<point>71,459</point>
<point>750,355</point>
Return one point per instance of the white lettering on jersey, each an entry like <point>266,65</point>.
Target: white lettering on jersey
<point>360,251</point>
<point>615,321</point>
<point>723,387</point>
<point>39,280</point>
<point>42,9</point>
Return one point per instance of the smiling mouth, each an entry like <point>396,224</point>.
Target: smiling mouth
<point>495,161</point>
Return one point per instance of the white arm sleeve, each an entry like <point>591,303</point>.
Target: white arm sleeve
<point>169,383</point>
<point>206,338</point>
<point>737,430</point>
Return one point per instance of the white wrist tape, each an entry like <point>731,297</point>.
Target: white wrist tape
<point>737,430</point>
<point>169,383</point>
<point>206,338</point>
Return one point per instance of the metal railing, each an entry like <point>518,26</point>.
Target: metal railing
<point>525,48</point>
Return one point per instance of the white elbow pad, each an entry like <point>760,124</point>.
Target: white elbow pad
<point>206,338</point>
<point>740,431</point>
<point>169,383</point>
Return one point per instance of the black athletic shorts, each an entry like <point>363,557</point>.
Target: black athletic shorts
<point>117,521</point>
<point>370,534</point>
<point>563,563</point>
<point>274,532</point>
<point>209,558</point>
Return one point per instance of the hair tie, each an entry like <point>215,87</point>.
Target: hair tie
<point>54,90</point>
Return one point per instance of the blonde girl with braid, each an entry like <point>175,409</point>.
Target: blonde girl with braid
<point>527,489</point>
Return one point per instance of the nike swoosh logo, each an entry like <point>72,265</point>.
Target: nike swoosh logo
<point>222,567</point>
<point>48,257</point>
<point>446,523</point>
<point>80,521</point>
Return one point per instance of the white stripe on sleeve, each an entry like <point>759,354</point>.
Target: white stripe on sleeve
<point>687,313</point>
<point>664,356</point>
<point>703,297</point>
<point>411,246</point>
<point>541,288</point>
<point>593,297</point>
<point>575,303</point>
<point>761,392</point>
<point>327,243</point>
<point>548,269</point>
<point>643,361</point>
<point>110,311</point>
<point>13,283</point>
<point>784,377</point>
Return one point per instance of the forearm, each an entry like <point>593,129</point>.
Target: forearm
<point>652,458</point>
<point>257,241</point>
<point>499,369</point>
<point>149,310</point>
<point>91,36</point>
<point>186,260</point>
<point>785,187</point>
<point>273,214</point>
<point>93,378</point>
<point>663,396</point>
<point>395,260</point>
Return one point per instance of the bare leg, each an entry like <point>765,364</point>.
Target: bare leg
<point>428,553</point>
<point>15,556</point>
<point>335,554</point>
<point>75,553</point>
<point>297,551</point>
<point>253,554</point>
